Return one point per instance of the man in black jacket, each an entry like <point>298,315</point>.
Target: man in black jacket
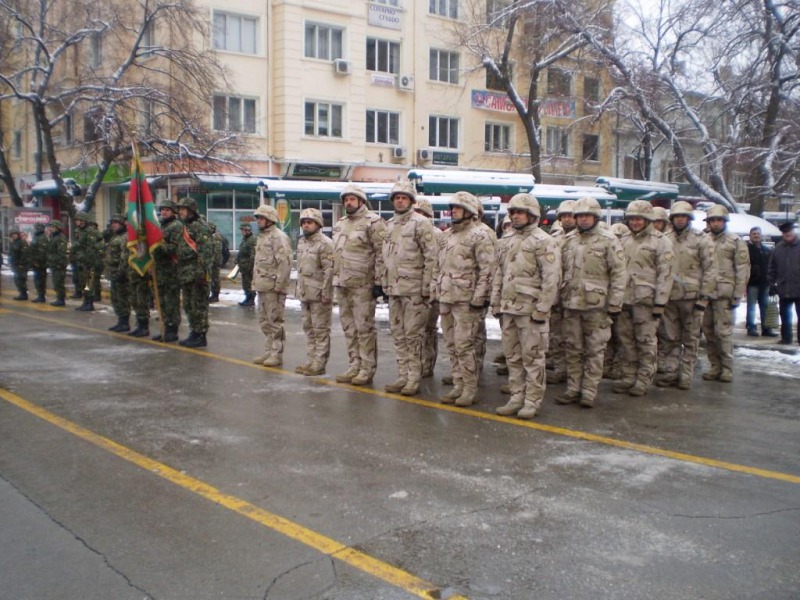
<point>757,284</point>
<point>784,279</point>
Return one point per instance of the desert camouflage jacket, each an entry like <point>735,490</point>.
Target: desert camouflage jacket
<point>594,274</point>
<point>464,265</point>
<point>409,252</point>
<point>314,268</point>
<point>273,264</point>
<point>695,271</point>
<point>650,260</point>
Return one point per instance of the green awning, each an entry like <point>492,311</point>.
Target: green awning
<point>631,189</point>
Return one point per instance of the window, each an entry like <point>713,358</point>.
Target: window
<point>738,185</point>
<point>444,8</point>
<point>557,141</point>
<point>498,12</point>
<point>496,137</point>
<point>674,173</point>
<point>323,119</point>
<point>443,132</point>
<point>92,125</point>
<point>558,82</point>
<point>388,2</point>
<point>235,33</point>
<point>591,147</point>
<point>383,55</point>
<point>148,116</point>
<point>69,134</point>
<point>591,90</point>
<point>383,127</point>
<point>493,81</point>
<point>324,41</point>
<point>16,149</point>
<point>149,37</point>
<point>234,114</point>
<point>444,66</point>
<point>96,42</point>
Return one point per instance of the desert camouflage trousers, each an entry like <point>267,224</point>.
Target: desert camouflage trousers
<point>460,326</point>
<point>480,339</point>
<point>586,333</point>
<point>681,337</point>
<point>270,317</point>
<point>430,343</point>
<point>555,348</point>
<point>195,305</point>
<point>121,299</point>
<point>718,329</point>
<point>317,327</point>
<point>525,346</point>
<point>408,316</point>
<point>357,316</point>
<point>636,328</point>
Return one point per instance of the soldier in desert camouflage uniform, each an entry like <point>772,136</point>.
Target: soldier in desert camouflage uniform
<point>592,292</point>
<point>661,219</point>
<point>480,334</point>
<point>694,282</point>
<point>315,290</point>
<point>555,351</point>
<point>612,362</point>
<point>462,280</point>
<point>357,271</point>
<point>430,342</point>
<point>408,256</point>
<point>649,260</point>
<point>525,288</point>
<point>273,268</point>
<point>733,268</point>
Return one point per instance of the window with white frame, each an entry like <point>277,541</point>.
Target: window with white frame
<point>443,66</point>
<point>325,42</point>
<point>591,90</point>
<point>443,132</point>
<point>69,133</point>
<point>557,141</point>
<point>383,56</point>
<point>16,146</point>
<point>235,33</point>
<point>383,127</point>
<point>96,49</point>
<point>498,12</point>
<point>591,147</point>
<point>444,8</point>
<point>496,137</point>
<point>233,113</point>
<point>738,185</point>
<point>323,119</point>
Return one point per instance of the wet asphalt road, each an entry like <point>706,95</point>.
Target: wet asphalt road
<point>130,469</point>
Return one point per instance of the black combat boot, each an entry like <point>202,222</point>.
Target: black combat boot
<point>58,302</point>
<point>21,296</point>
<point>88,305</point>
<point>123,324</point>
<point>195,340</point>
<point>171,334</point>
<point>249,300</point>
<point>142,328</point>
<point>214,297</point>
<point>39,300</point>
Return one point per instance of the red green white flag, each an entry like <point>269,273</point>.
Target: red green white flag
<point>144,231</point>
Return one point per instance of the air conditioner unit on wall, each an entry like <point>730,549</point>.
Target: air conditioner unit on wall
<point>424,154</point>
<point>342,67</point>
<point>405,83</point>
<point>398,152</point>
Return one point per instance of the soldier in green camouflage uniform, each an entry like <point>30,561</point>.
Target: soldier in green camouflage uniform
<point>38,254</point>
<point>195,255</point>
<point>430,343</point>
<point>245,259</point>
<point>116,257</point>
<point>733,268</point>
<point>409,252</point>
<point>141,297</point>
<point>216,262</point>
<point>462,282</point>
<point>649,260</point>
<point>57,261</point>
<point>165,256</point>
<point>100,263</point>
<point>594,280</point>
<point>83,255</point>
<point>524,289</point>
<point>18,259</point>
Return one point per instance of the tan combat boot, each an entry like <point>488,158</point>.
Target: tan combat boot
<point>587,402</point>
<point>511,407</point>
<point>410,389</point>
<point>395,387</point>
<point>712,374</point>
<point>315,368</point>
<point>451,396</point>
<point>666,380</point>
<point>348,375</point>
<point>568,397</point>
<point>447,380</point>
<point>684,381</point>
<point>529,410</point>
<point>302,368</point>
<point>638,389</point>
<point>275,360</point>
<point>726,375</point>
<point>363,378</point>
<point>554,377</point>
<point>467,397</point>
<point>259,360</point>
<point>505,389</point>
<point>622,386</point>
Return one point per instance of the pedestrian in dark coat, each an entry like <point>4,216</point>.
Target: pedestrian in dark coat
<point>784,279</point>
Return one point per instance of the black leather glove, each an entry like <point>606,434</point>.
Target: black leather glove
<point>377,291</point>
<point>614,311</point>
<point>658,311</point>
<point>773,290</point>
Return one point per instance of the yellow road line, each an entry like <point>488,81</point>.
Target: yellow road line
<point>321,543</point>
<point>561,431</point>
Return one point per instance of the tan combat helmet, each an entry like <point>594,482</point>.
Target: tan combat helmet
<point>422,205</point>
<point>620,230</point>
<point>353,190</point>
<point>660,214</point>
<point>527,203</point>
<point>312,214</point>
<point>718,211</point>
<point>268,212</point>
<point>682,208</point>
<point>567,207</point>
<point>640,208</point>
<point>587,206</point>
<point>467,201</point>
<point>403,187</point>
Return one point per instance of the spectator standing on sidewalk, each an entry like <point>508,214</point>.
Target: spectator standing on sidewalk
<point>758,284</point>
<point>784,279</point>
